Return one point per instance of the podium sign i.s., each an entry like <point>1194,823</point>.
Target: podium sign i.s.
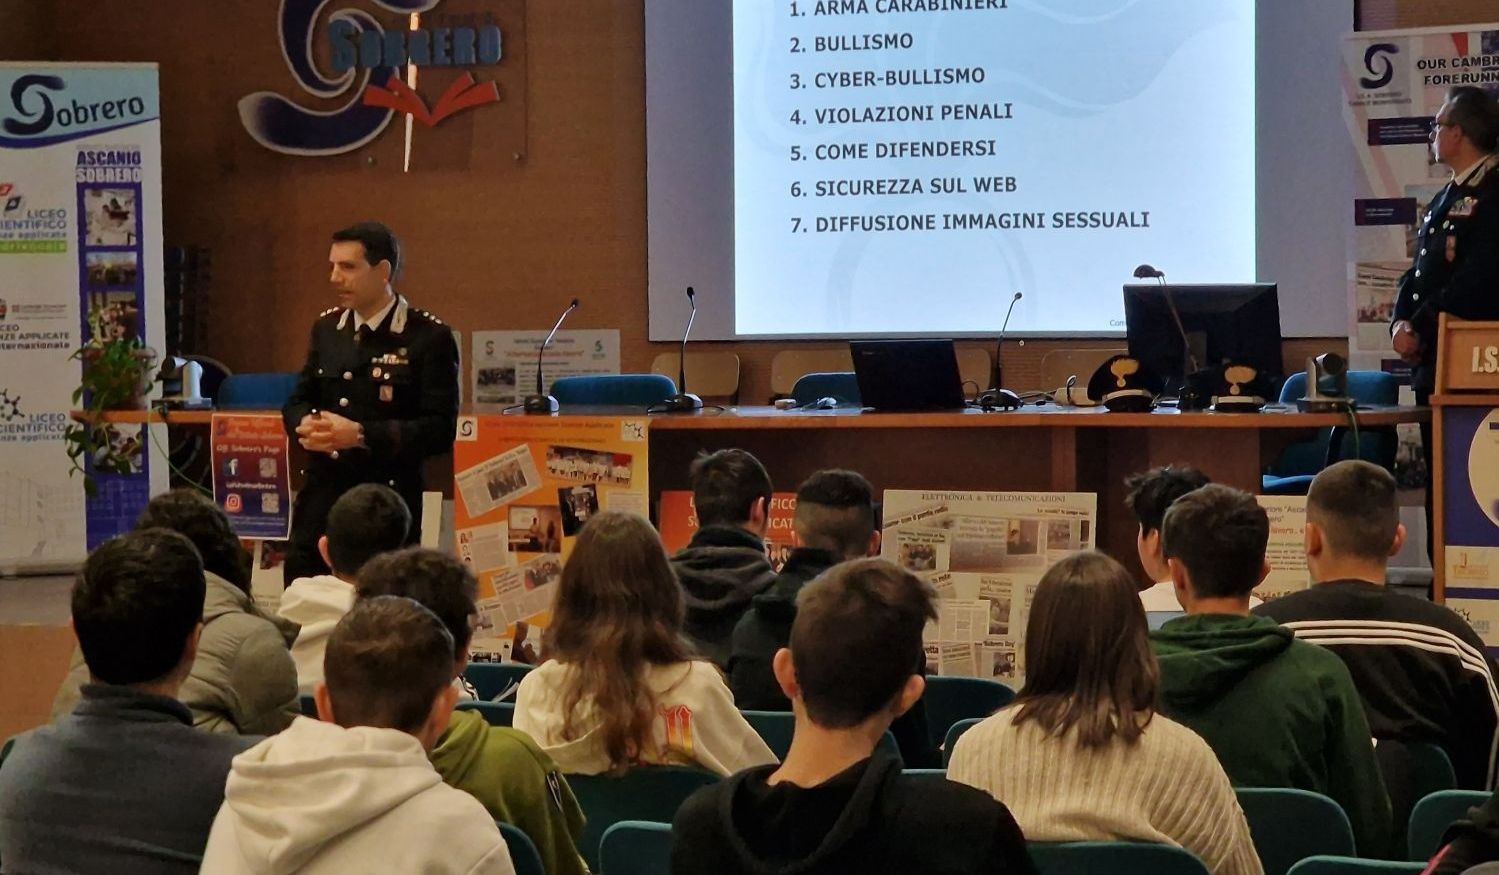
<point>1465,417</point>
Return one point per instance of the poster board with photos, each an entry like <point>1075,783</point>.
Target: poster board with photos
<point>984,553</point>
<point>523,488</point>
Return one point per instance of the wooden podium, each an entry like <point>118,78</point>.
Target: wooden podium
<point>1465,406</point>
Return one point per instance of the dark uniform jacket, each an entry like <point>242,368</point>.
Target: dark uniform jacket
<point>1456,267</point>
<point>400,381</point>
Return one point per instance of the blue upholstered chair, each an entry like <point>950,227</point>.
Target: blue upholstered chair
<point>651,793</point>
<point>775,728</point>
<point>841,385</point>
<point>492,678</point>
<point>636,847</point>
<point>1328,865</point>
<point>952,699</point>
<point>523,854</point>
<point>1293,471</point>
<point>1290,825</point>
<point>955,732</point>
<point>255,391</point>
<point>1114,858</point>
<point>613,390</point>
<point>1433,814</point>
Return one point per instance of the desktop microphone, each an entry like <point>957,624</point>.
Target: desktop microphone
<point>683,401</point>
<point>999,396</point>
<point>1188,395</point>
<point>541,402</point>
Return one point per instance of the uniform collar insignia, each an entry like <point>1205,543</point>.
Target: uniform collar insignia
<point>397,316</point>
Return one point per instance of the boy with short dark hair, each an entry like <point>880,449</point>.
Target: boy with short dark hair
<point>835,804</point>
<point>1423,673</point>
<point>724,566</point>
<point>366,521</point>
<point>356,792</point>
<point>1148,495</point>
<point>1278,712</point>
<point>123,783</point>
<point>501,767</point>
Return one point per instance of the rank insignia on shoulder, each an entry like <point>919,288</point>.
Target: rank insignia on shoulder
<point>1463,208</point>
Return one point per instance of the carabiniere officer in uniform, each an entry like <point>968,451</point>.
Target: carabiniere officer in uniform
<point>379,392</point>
<point>1456,269</point>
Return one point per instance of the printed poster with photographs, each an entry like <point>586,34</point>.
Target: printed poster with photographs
<point>677,518</point>
<point>504,362</point>
<point>523,488</point>
<point>1285,552</point>
<point>984,553</point>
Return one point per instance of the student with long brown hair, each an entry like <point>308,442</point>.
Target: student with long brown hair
<point>621,686</point>
<point>1082,754</point>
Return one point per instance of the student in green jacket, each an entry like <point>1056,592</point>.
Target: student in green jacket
<point>501,767</point>
<point>1278,712</point>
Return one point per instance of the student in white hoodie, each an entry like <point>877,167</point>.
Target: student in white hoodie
<point>622,687</point>
<point>366,521</point>
<point>356,793</point>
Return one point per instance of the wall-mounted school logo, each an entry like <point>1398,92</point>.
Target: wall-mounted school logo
<point>1379,64</point>
<point>367,63</point>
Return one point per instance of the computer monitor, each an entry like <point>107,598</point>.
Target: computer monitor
<point>1238,323</point>
<point>907,374</point>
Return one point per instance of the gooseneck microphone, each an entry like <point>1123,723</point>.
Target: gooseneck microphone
<point>999,396</point>
<point>541,402</point>
<point>683,401</point>
<point>1145,271</point>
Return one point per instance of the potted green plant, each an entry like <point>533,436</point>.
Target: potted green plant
<point>116,376</point>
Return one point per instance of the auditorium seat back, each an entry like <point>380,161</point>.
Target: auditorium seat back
<point>1114,858</point>
<point>1290,825</point>
<point>613,390</point>
<point>255,391</point>
<point>636,847</point>
<point>955,732</point>
<point>492,678</point>
<point>494,713</point>
<point>840,385</point>
<point>1431,817</point>
<point>652,793</point>
<point>523,854</point>
<point>1329,865</point>
<point>775,728</point>
<point>949,700</point>
<point>1293,470</point>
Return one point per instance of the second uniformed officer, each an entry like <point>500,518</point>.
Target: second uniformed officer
<point>1456,265</point>
<point>378,394</point>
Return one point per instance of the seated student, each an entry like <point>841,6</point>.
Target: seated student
<point>836,805</point>
<point>243,680</point>
<point>123,783</point>
<point>621,687</point>
<point>356,793</point>
<point>1277,711</point>
<point>724,566</point>
<point>834,523</point>
<point>1150,494</point>
<point>1422,671</point>
<point>366,521</point>
<point>1082,755</point>
<point>501,767</point>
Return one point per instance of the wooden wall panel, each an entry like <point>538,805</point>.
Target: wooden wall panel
<point>493,242</point>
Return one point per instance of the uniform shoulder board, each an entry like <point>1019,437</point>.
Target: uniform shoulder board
<point>426,315</point>
<point>329,312</point>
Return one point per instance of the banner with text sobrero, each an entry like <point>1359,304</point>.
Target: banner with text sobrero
<point>80,260</point>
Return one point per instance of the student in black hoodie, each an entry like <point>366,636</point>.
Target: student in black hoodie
<point>836,805</point>
<point>724,566</point>
<point>835,522</point>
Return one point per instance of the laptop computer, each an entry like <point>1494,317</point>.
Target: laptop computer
<point>904,375</point>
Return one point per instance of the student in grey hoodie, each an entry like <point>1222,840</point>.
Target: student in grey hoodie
<point>724,566</point>
<point>366,521</point>
<point>243,680</point>
<point>356,793</point>
<point>1278,712</point>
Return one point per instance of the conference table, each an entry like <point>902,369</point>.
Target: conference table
<point>1034,449</point>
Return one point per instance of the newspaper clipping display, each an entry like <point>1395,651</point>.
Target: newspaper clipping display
<point>984,553</point>
<point>523,489</point>
<point>1286,551</point>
